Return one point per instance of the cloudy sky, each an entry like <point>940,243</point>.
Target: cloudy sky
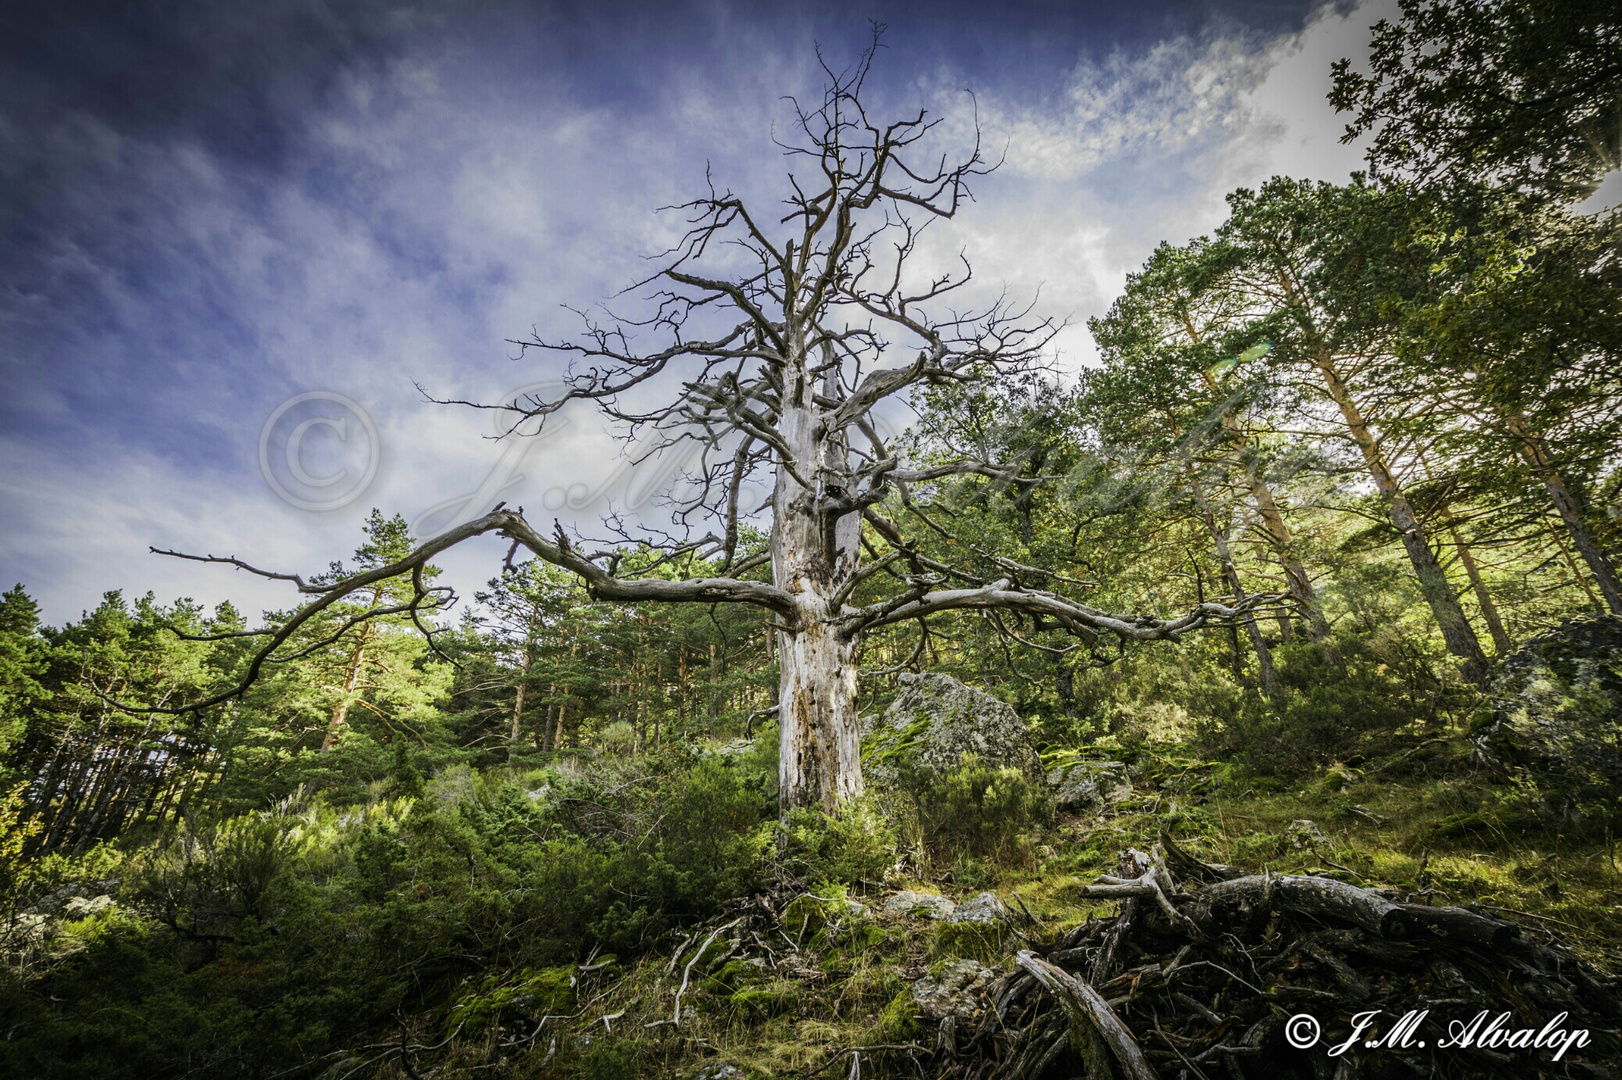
<point>228,231</point>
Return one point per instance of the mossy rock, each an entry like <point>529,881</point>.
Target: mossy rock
<point>1557,709</point>
<point>936,722</point>
<point>733,976</point>
<point>1258,845</point>
<point>898,1022</point>
<point>806,916</point>
<point>1484,826</point>
<point>1191,819</point>
<point>869,935</point>
<point>972,941</point>
<point>544,992</point>
<point>763,1002</point>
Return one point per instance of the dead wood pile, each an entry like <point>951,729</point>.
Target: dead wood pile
<point>1202,970</point>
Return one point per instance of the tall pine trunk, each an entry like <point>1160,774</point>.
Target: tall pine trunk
<point>1570,510</point>
<point>1489,610</point>
<point>1278,531</point>
<point>1457,632</point>
<point>516,729</point>
<point>1219,537</point>
<point>340,711</point>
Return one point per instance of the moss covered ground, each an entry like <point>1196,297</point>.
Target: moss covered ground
<point>1421,819</point>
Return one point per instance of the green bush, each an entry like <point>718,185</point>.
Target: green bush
<point>212,876</point>
<point>242,944</point>
<point>628,860</point>
<point>1337,696</point>
<point>976,810</point>
<point>857,845</point>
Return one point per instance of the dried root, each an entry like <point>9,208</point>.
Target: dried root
<point>1200,982</point>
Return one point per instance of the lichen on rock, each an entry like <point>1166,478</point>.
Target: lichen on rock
<point>921,905</point>
<point>983,909</point>
<point>935,723</point>
<point>957,990</point>
<point>1557,710</point>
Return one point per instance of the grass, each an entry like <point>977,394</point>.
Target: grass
<point>1414,826</point>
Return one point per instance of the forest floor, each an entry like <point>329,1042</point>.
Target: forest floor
<point>839,979</point>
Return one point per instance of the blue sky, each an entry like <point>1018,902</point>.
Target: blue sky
<point>208,211</point>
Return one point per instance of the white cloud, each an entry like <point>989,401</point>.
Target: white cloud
<point>435,207</point>
<point>1143,149</point>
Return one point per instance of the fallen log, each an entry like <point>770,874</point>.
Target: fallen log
<point>1083,1005</point>
<point>1468,927</point>
<point>1312,896</point>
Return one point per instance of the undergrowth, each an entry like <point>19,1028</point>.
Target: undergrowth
<point>524,925</point>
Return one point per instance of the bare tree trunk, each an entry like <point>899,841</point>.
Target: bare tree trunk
<point>1570,510</point>
<point>1264,655</point>
<point>820,746</point>
<point>813,555</point>
<point>773,692</point>
<point>1489,610</point>
<point>1456,630</point>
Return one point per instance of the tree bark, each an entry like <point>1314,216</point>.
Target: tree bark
<point>1278,531</point>
<point>1570,510</point>
<point>516,728</point>
<point>1264,655</point>
<point>340,711</point>
<point>543,738</point>
<point>814,553</point>
<point>1456,630</point>
<point>1576,570</point>
<point>1295,575</point>
<point>1489,610</point>
<point>819,743</point>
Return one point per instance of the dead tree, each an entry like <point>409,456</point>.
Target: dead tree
<point>772,342</point>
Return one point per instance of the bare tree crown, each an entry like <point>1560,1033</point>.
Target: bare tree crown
<point>813,322</point>
<point>776,341</point>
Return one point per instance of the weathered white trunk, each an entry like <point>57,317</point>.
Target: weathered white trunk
<point>820,746</point>
<point>814,554</point>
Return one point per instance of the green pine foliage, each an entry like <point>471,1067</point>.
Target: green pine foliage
<point>1388,412</point>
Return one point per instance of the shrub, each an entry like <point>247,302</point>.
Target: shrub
<point>627,860</point>
<point>212,876</point>
<point>1337,696</point>
<point>618,738</point>
<point>976,810</point>
<point>857,845</point>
